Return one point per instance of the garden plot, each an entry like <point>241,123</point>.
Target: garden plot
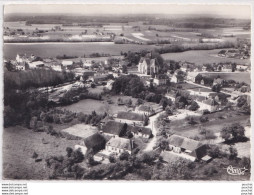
<point>81,130</point>
<point>140,36</point>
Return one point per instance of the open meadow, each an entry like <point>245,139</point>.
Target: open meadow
<point>20,143</point>
<point>201,57</point>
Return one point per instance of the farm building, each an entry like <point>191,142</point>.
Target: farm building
<point>148,110</point>
<point>209,104</point>
<point>191,76</point>
<point>67,63</point>
<point>194,150</point>
<point>94,143</point>
<point>130,118</point>
<point>36,64</point>
<point>140,131</point>
<point>114,128</point>
<point>118,145</point>
<point>161,79</point>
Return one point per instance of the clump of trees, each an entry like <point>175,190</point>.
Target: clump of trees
<point>233,133</point>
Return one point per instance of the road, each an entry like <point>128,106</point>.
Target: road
<point>152,126</point>
<point>209,88</point>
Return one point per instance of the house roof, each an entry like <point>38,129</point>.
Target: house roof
<point>113,127</point>
<point>119,142</point>
<point>95,141</point>
<point>130,116</point>
<point>67,63</point>
<point>143,130</point>
<point>162,76</point>
<point>192,74</point>
<point>197,149</point>
<point>37,63</point>
<point>218,81</point>
<point>210,102</point>
<point>183,142</point>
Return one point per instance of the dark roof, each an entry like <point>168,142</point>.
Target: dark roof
<point>198,150</point>
<point>113,127</point>
<point>121,143</point>
<point>95,141</point>
<point>183,142</point>
<point>162,76</point>
<point>143,130</point>
<point>210,102</point>
<point>130,116</point>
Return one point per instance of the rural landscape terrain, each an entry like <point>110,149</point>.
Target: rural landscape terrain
<point>126,97</point>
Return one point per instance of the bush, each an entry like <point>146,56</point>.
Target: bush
<point>124,156</point>
<point>203,119</point>
<point>206,112</point>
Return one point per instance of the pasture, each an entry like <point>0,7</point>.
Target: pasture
<point>20,143</point>
<point>47,50</point>
<point>201,57</point>
<point>81,130</point>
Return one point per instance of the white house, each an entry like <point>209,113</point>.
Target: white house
<point>36,64</point>
<point>57,67</point>
<point>67,63</point>
<point>118,145</point>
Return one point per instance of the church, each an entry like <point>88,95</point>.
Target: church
<point>148,65</point>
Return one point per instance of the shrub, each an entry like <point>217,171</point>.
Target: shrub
<point>124,156</point>
<point>203,119</point>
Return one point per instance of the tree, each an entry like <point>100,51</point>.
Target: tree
<point>216,88</point>
<point>193,106</point>
<point>124,156</point>
<point>234,132</point>
<point>198,78</point>
<point>232,152</point>
<point>125,70</point>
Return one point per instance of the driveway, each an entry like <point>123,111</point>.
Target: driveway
<point>152,126</point>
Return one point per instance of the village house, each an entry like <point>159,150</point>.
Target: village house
<point>130,118</point>
<point>148,110</point>
<point>160,79</point>
<point>140,131</point>
<point>94,143</point>
<point>118,145</point>
<point>209,104</point>
<point>226,68</point>
<point>240,67</point>
<point>191,76</point>
<point>113,128</point>
<point>87,63</point>
<point>20,66</point>
<point>56,67</point>
<point>67,63</point>
<point>218,81</point>
<point>187,148</point>
<point>36,64</point>
<point>177,78</point>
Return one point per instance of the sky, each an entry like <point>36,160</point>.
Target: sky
<point>233,11</point>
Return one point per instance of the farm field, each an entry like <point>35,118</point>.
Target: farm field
<point>237,76</point>
<point>47,50</point>
<point>201,57</point>
<point>87,106</point>
<point>17,152</point>
<point>81,130</point>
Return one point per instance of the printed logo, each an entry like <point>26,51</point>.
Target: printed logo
<point>235,171</point>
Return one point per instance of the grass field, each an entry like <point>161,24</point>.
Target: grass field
<point>201,57</point>
<point>81,130</point>
<point>19,143</point>
<point>74,49</point>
